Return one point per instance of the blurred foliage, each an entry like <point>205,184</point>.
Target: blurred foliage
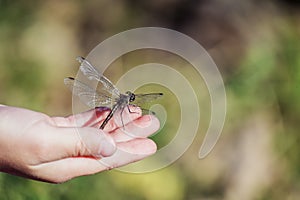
<point>256,47</point>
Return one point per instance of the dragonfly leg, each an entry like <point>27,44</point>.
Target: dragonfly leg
<point>143,110</point>
<point>121,114</point>
<point>129,108</point>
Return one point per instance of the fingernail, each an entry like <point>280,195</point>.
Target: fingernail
<point>135,109</point>
<point>145,121</point>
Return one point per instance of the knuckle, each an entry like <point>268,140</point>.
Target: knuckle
<point>80,148</point>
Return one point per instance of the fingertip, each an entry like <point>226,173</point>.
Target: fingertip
<point>129,152</point>
<point>142,127</point>
<point>152,147</point>
<point>135,110</point>
<point>149,120</point>
<point>108,146</point>
<point>127,115</point>
<point>141,146</point>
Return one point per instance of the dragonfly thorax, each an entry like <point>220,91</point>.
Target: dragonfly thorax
<point>131,96</point>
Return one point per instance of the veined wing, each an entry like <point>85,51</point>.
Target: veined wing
<point>91,97</point>
<point>143,98</point>
<point>88,70</point>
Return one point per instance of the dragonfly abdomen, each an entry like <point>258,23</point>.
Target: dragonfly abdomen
<point>109,116</point>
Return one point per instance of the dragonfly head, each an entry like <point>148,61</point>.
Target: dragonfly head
<point>131,96</point>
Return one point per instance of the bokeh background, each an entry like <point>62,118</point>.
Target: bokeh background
<point>255,44</point>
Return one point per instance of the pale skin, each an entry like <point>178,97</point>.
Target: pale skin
<point>57,149</point>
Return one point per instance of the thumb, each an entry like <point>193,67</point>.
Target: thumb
<point>85,141</point>
<point>95,142</point>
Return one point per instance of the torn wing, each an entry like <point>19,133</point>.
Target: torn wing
<point>91,97</point>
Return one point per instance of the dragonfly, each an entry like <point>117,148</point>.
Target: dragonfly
<point>107,95</point>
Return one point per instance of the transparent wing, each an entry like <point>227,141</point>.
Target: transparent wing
<point>144,98</point>
<point>89,71</point>
<point>91,97</point>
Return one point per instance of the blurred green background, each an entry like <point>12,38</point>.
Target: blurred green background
<point>255,44</point>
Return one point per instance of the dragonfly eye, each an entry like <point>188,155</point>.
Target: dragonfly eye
<point>132,97</point>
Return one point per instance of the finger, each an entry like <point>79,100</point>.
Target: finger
<point>68,168</point>
<point>95,118</point>
<point>140,128</point>
<point>88,118</point>
<point>94,142</point>
<point>130,151</point>
<point>73,142</point>
<point>60,171</point>
<point>129,114</point>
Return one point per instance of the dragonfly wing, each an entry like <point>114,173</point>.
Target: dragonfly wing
<point>143,98</point>
<point>88,95</point>
<point>89,71</point>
